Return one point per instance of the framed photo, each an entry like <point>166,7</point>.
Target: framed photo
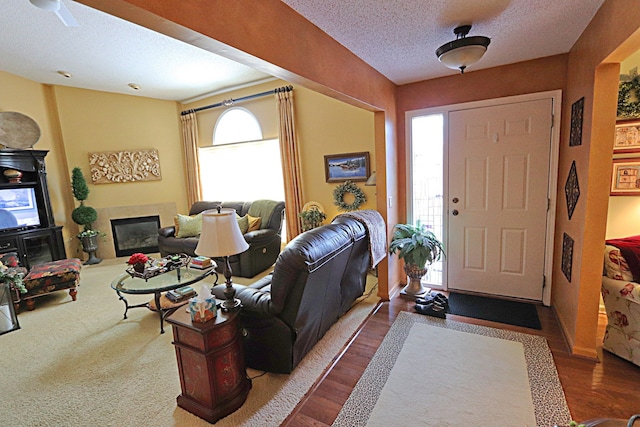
<point>350,166</point>
<point>625,180</point>
<point>627,137</point>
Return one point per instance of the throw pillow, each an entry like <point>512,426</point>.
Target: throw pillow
<point>254,223</point>
<point>243,223</point>
<point>188,226</point>
<point>615,266</point>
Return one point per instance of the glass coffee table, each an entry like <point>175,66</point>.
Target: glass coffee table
<point>174,279</point>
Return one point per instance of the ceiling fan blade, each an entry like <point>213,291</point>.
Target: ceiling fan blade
<point>65,16</point>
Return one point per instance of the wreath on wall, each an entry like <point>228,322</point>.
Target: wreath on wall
<point>348,187</point>
<point>627,108</point>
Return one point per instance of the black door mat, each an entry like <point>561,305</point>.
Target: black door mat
<point>496,310</point>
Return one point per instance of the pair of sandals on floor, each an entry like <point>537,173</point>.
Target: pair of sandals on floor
<point>432,304</point>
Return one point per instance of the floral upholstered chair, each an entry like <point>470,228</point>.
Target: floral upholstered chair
<point>621,295</point>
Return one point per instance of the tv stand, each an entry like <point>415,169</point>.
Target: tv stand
<point>34,245</point>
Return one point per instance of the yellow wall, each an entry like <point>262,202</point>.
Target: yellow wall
<point>75,122</point>
<point>325,126</point>
<point>32,99</point>
<point>299,53</point>
<point>94,121</point>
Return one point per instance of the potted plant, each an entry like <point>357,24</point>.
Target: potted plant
<point>312,218</point>
<point>419,248</point>
<point>85,215</point>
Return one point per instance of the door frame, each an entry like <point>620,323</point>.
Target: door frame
<point>556,97</point>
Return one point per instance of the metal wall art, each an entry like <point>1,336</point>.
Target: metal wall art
<point>577,113</point>
<point>572,189</point>
<point>109,167</point>
<point>567,255</point>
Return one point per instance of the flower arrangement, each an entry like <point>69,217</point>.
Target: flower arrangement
<point>137,258</point>
<point>13,276</point>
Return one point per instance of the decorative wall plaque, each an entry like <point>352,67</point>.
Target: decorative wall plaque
<point>577,112</point>
<point>124,166</point>
<point>567,255</point>
<point>572,189</point>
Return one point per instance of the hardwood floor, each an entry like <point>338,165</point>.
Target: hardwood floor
<point>606,389</point>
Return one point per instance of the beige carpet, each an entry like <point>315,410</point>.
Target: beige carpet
<point>81,364</point>
<point>433,372</point>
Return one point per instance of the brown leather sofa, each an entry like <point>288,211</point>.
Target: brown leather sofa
<point>315,280</point>
<point>264,244</point>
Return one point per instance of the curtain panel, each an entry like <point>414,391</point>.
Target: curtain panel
<point>192,161</point>
<point>290,161</point>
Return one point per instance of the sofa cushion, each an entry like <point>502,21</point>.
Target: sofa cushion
<point>254,223</point>
<point>188,226</point>
<point>615,266</point>
<point>243,223</point>
<point>263,209</point>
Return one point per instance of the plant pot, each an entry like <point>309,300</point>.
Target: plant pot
<point>90,246</point>
<point>139,267</point>
<point>414,288</point>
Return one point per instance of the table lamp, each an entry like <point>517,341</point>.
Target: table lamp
<point>221,237</point>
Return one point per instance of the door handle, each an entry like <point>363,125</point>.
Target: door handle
<point>455,212</point>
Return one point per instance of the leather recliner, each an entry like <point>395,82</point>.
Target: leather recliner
<point>264,244</point>
<point>315,280</point>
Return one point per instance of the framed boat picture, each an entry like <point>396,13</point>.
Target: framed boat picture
<point>347,167</point>
<point>627,137</point>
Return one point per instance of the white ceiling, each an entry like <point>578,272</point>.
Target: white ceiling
<point>396,37</point>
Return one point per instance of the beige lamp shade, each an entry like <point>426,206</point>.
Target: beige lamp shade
<point>221,235</point>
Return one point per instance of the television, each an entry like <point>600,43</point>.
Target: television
<point>18,208</point>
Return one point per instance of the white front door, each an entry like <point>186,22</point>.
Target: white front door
<point>498,198</point>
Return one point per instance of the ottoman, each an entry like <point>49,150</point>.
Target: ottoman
<point>50,277</point>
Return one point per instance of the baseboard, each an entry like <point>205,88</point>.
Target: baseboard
<point>586,353</point>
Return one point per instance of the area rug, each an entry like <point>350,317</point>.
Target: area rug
<point>437,372</point>
<point>81,364</point>
<point>494,309</point>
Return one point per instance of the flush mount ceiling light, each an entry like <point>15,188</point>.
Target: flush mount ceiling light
<point>463,51</point>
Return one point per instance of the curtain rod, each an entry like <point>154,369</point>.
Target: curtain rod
<point>229,102</point>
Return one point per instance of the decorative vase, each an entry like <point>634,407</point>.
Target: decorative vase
<point>414,288</point>
<point>14,176</point>
<point>139,267</point>
<point>90,246</point>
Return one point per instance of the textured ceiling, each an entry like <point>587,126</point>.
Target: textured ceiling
<point>107,53</point>
<point>399,37</point>
<point>396,37</point>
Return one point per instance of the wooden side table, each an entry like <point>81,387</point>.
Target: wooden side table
<point>211,364</point>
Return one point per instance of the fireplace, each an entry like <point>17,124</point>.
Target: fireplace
<point>131,235</point>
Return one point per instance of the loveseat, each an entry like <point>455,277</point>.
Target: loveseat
<point>264,241</point>
<point>621,296</point>
<point>315,280</point>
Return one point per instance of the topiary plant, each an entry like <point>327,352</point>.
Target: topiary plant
<point>82,215</point>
